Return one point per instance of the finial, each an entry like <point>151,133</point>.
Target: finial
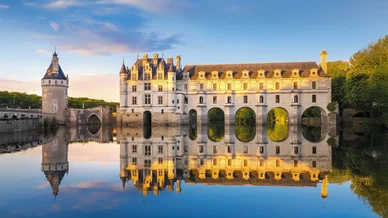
<point>137,56</point>
<point>55,49</point>
<point>162,54</point>
<point>123,60</point>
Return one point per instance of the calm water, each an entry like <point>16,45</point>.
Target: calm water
<point>220,171</point>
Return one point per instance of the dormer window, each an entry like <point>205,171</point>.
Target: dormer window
<point>314,72</point>
<point>147,76</point>
<point>277,73</point>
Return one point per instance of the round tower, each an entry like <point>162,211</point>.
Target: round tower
<point>54,91</point>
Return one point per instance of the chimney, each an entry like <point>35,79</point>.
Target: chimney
<point>323,60</point>
<point>145,58</point>
<point>178,62</point>
<point>155,59</point>
<point>169,60</point>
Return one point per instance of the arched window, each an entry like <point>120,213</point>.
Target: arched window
<point>229,100</point>
<point>295,99</point>
<point>261,99</point>
<point>201,100</point>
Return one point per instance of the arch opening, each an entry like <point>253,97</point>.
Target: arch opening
<point>245,124</point>
<point>216,114</point>
<point>147,124</point>
<point>216,124</point>
<point>314,124</point>
<point>277,124</point>
<point>94,120</point>
<point>192,124</point>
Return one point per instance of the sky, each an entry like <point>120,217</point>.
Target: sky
<point>93,37</point>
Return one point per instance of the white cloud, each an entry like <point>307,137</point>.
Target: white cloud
<point>55,26</point>
<point>4,6</point>
<point>150,5</point>
<point>60,4</point>
<point>42,51</point>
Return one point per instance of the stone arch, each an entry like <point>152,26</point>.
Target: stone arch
<point>314,112</point>
<point>277,124</point>
<point>245,124</point>
<point>314,121</point>
<point>193,124</point>
<point>216,114</point>
<point>93,119</point>
<point>93,129</point>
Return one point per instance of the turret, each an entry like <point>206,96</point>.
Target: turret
<point>323,60</point>
<point>54,91</point>
<point>123,74</point>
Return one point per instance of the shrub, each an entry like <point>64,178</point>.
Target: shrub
<point>331,106</point>
<point>331,142</point>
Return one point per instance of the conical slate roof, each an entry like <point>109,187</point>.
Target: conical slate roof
<point>54,71</point>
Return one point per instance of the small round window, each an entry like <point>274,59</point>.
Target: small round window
<point>245,74</point>
<point>261,74</point>
<point>277,74</point>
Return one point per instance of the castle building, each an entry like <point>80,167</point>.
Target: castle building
<point>164,92</point>
<point>54,91</point>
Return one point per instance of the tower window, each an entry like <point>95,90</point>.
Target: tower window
<point>201,100</point>
<point>245,99</point>
<point>295,99</point>
<point>261,149</point>
<point>201,149</point>
<point>314,98</point>
<point>186,100</point>
<point>214,99</point>
<point>261,99</point>
<point>229,149</point>
<point>296,150</point>
<point>214,149</point>
<point>245,86</point>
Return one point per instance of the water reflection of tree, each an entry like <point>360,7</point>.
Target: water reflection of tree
<point>216,131</point>
<point>364,162</point>
<point>277,124</point>
<point>245,133</point>
<point>312,133</point>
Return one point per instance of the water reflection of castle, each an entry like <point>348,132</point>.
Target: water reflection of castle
<point>172,155</point>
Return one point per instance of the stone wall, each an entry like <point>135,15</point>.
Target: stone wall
<point>82,116</point>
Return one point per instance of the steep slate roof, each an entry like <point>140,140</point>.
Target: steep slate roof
<point>49,73</point>
<point>154,67</point>
<point>285,67</point>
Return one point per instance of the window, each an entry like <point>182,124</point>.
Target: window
<point>295,99</point>
<point>261,99</point>
<point>201,162</point>
<point>295,85</point>
<point>147,163</point>
<point>261,86</point>
<point>201,86</point>
<point>277,86</point>
<point>214,86</point>
<point>134,77</point>
<point>314,85</point>
<point>229,162</point>
<point>215,162</point>
<point>201,149</point>
<point>277,149</point>
<point>214,99</point>
<point>295,163</point>
<point>314,149</point>
<point>160,160</point>
<point>160,75</point>
<point>134,160</point>
<point>134,89</point>
<point>245,99</point>
<point>147,86</point>
<point>160,99</point>
<point>245,149</point>
<point>177,101</point>
<point>147,99</point>
<point>147,76</point>
<point>214,149</point>
<point>160,88</point>
<point>261,149</point>
<point>245,86</point>
<point>186,149</point>
<point>277,163</point>
<point>314,164</point>
<point>314,98</point>
<point>134,148</point>
<point>147,150</point>
<point>261,163</point>
<point>296,150</point>
<point>173,101</point>
<point>186,100</point>
<point>229,149</point>
<point>162,111</point>
<point>160,149</point>
<point>134,100</point>
<point>277,98</point>
<point>201,100</point>
<point>229,100</point>
<point>162,138</point>
<point>172,78</point>
<point>245,163</point>
<point>229,86</point>
<point>185,87</point>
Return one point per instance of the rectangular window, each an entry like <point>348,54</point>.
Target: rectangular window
<point>134,100</point>
<point>160,88</point>
<point>160,75</point>
<point>229,100</point>
<point>147,86</point>
<point>214,99</point>
<point>229,86</point>
<point>160,160</point>
<point>134,89</point>
<point>296,150</point>
<point>186,100</point>
<point>186,149</point>
<point>277,149</point>
<point>160,99</point>
<point>134,148</point>
<point>295,85</point>
<point>229,149</point>
<point>314,164</point>
<point>160,149</point>
<point>261,163</point>
<point>245,99</point>
<point>245,149</point>
<point>261,149</point>
<point>147,163</point>
<point>314,85</point>
<point>214,86</point>
<point>201,149</point>
<point>245,163</point>
<point>177,101</point>
<point>229,162</point>
<point>245,86</point>
<point>277,86</point>
<point>277,98</point>
<point>134,160</point>
<point>201,162</point>
<point>314,149</point>
<point>314,98</point>
<point>147,76</point>
<point>147,99</point>
<point>201,86</point>
<point>295,163</point>
<point>147,150</point>
<point>261,86</point>
<point>277,163</point>
<point>215,162</point>
<point>214,149</point>
<point>185,87</point>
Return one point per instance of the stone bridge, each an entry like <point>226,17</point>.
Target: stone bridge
<point>101,115</point>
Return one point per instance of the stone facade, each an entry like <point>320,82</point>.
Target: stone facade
<point>170,92</point>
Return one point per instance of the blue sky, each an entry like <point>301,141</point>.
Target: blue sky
<point>92,37</point>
